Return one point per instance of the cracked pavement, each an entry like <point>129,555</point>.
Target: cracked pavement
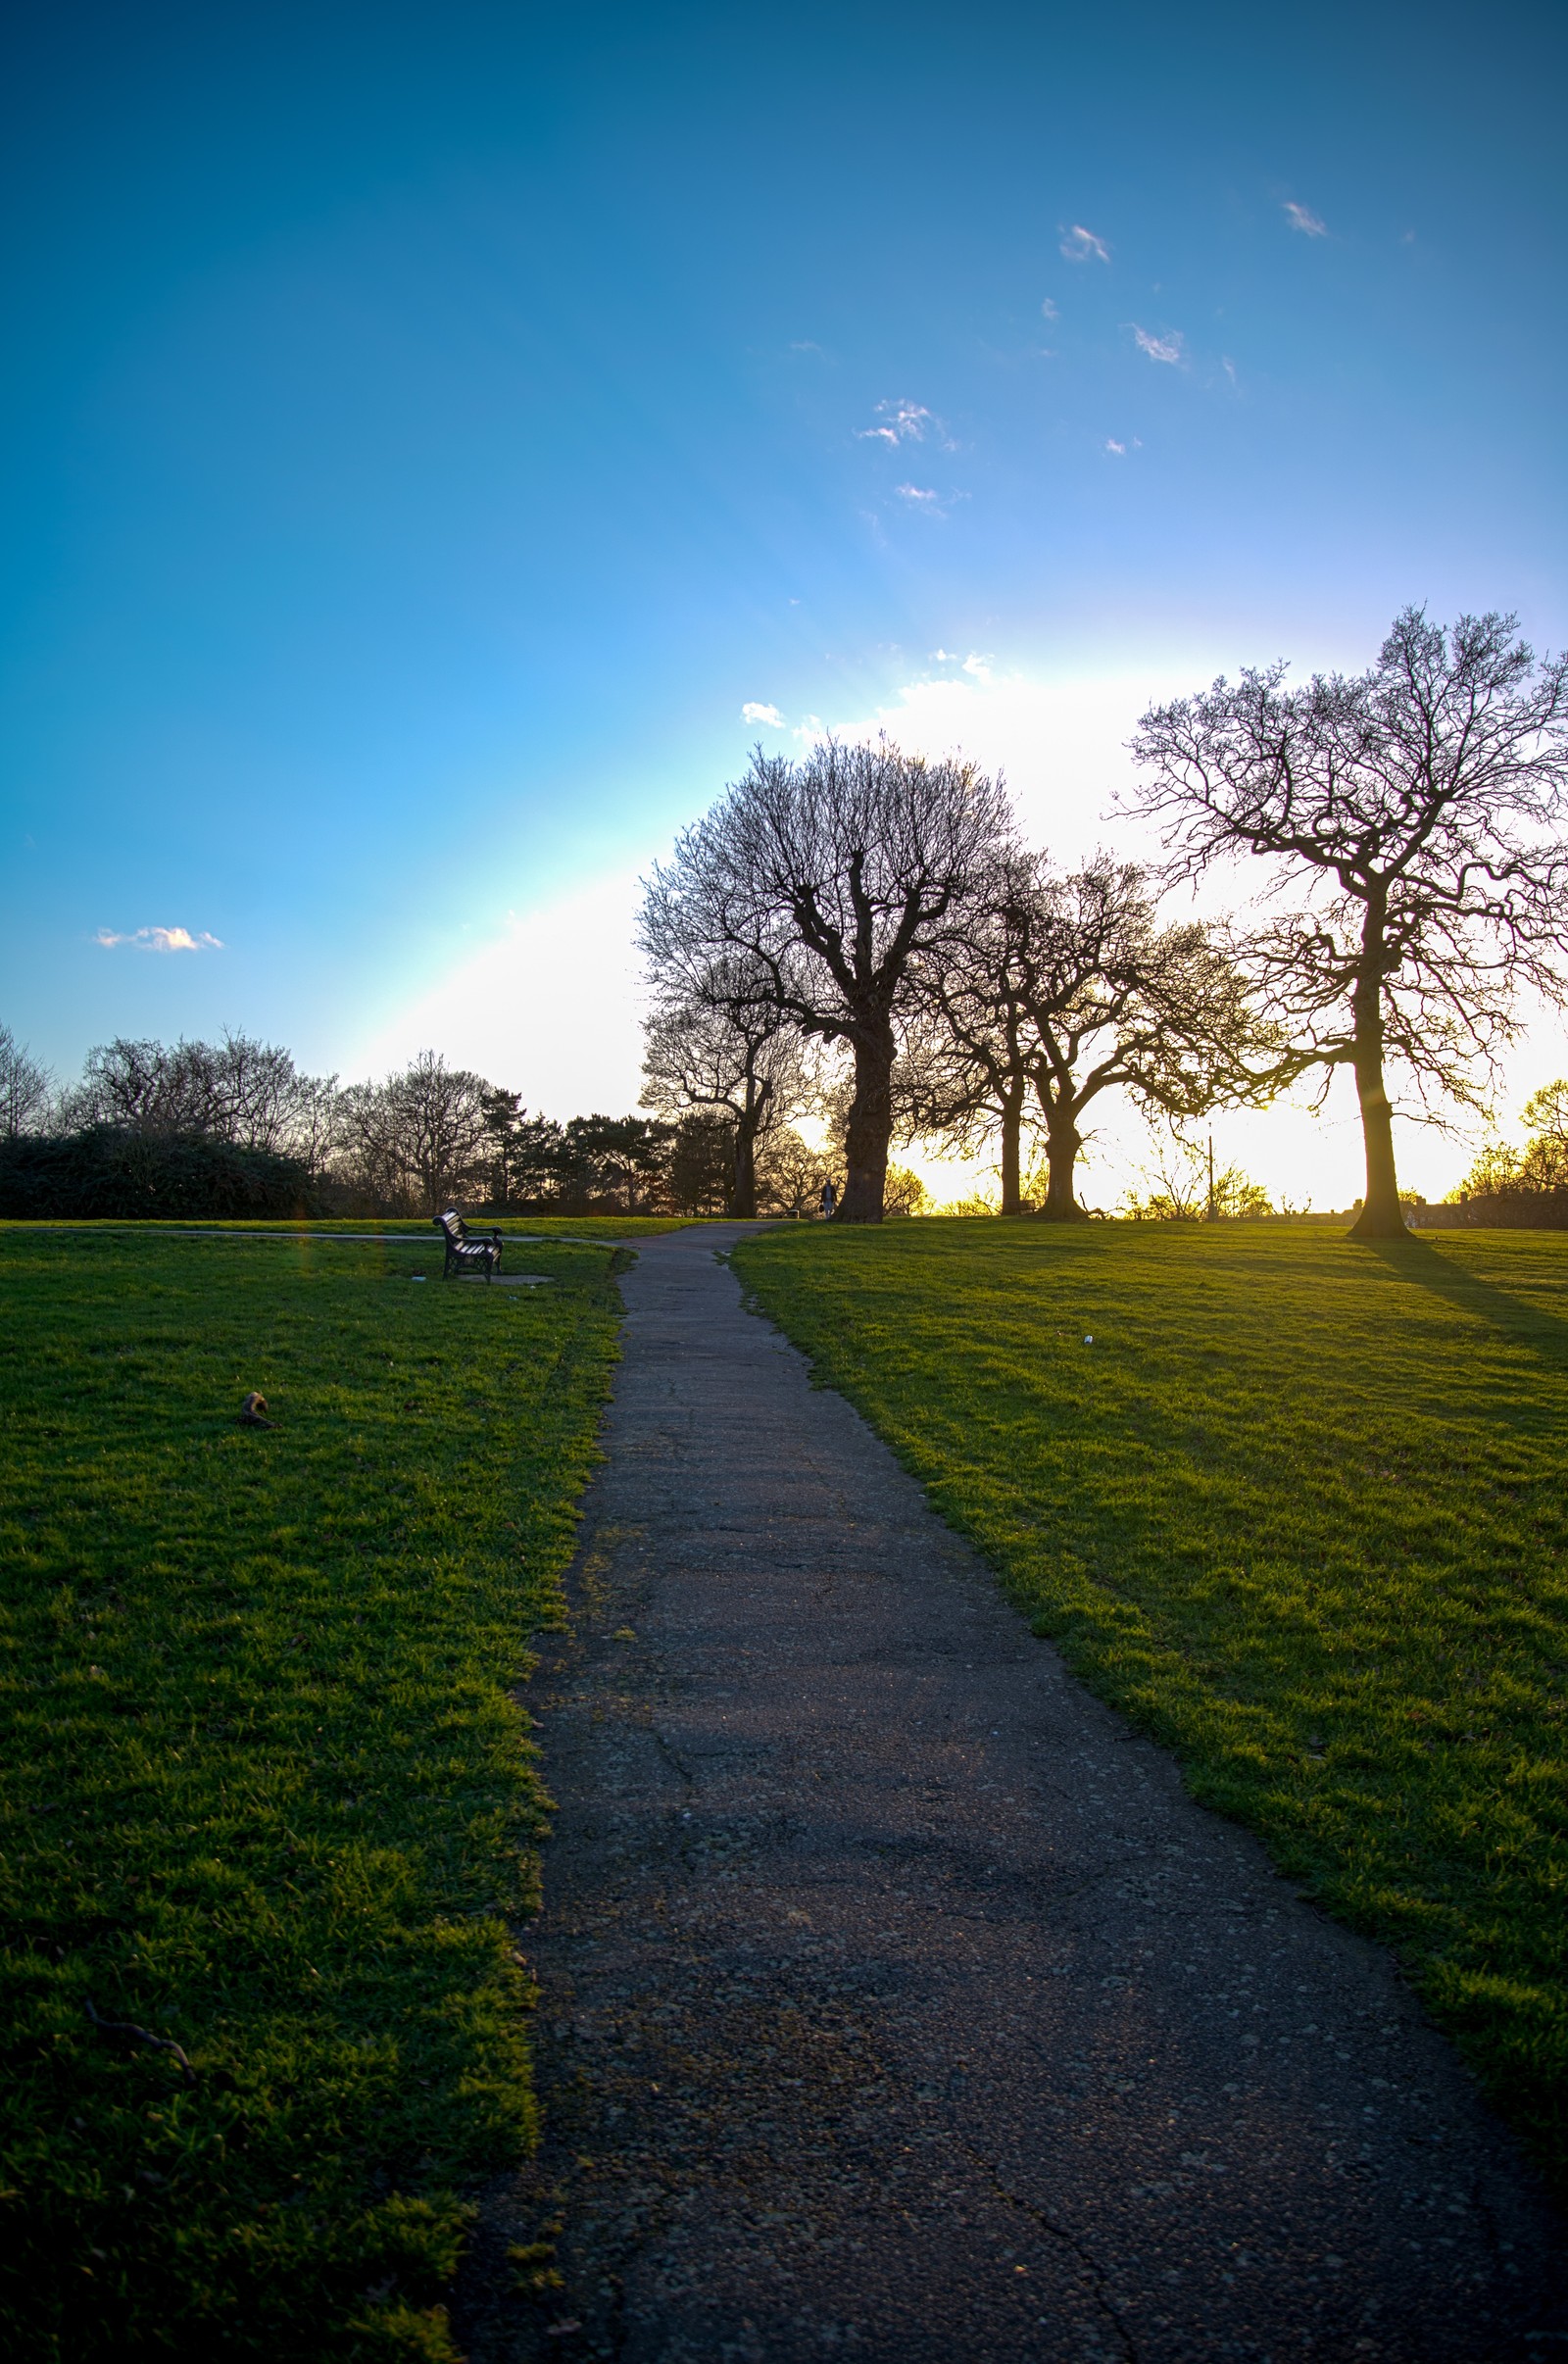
<point>896,2000</point>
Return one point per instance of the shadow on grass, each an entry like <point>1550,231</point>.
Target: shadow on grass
<point>1417,1261</point>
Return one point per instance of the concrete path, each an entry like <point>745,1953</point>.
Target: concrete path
<point>897,2003</point>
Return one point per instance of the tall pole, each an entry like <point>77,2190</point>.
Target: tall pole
<point>1212,1217</point>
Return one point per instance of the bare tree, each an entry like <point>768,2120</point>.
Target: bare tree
<point>971,1045</point>
<point>25,1088</point>
<point>238,1089</point>
<point>790,1174</point>
<point>1063,989</point>
<point>1184,1185</point>
<point>834,876</point>
<point>144,1087</point>
<point>420,1136</point>
<point>1543,1162</point>
<point>1119,1000</point>
<point>1411,823</point>
<point>256,1092</point>
<point>314,1129</point>
<point>724,1045</point>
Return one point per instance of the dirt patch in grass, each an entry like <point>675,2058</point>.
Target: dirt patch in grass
<point>1299,1510</point>
<point>265,1783</point>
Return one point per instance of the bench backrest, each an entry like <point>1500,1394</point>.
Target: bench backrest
<point>453,1224</point>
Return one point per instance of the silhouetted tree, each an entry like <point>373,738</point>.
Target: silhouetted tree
<point>971,1043</point>
<point>834,876</point>
<point>616,1162</point>
<point>698,1164</point>
<point>420,1137</point>
<point>1067,988</point>
<point>1122,1001</point>
<point>721,1042</point>
<point>1542,1163</point>
<point>536,1159</point>
<point>237,1090</point>
<point>501,1115</point>
<point>26,1087</point>
<point>790,1174</point>
<point>1410,820</point>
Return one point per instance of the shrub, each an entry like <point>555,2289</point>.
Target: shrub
<point>903,1193</point>
<point>108,1170</point>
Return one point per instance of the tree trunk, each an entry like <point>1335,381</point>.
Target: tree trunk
<point>1011,1130</point>
<point>865,1145</point>
<point>1063,1143</point>
<point>743,1195</point>
<point>1381,1217</point>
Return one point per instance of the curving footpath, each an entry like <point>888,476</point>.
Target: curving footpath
<point>897,2002</point>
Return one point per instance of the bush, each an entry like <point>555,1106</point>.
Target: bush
<point>903,1193</point>
<point>110,1172</point>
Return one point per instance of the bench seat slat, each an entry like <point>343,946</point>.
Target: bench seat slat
<point>462,1249</point>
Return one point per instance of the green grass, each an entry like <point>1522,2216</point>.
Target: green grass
<point>521,1228</point>
<point>266,1786</point>
<point>1300,1511</point>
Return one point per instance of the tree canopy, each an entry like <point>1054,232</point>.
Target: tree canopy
<point>834,876</point>
<point>1409,821</point>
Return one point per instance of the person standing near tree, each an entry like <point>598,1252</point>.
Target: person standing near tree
<point>830,1200</point>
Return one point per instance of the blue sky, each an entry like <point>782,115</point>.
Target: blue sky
<point>428,431</point>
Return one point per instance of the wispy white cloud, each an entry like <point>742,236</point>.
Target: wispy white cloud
<point>978,667</point>
<point>919,495</point>
<point>900,423</point>
<point>1048,309</point>
<point>807,344</point>
<point>1080,245</point>
<point>160,940</point>
<point>752,712</point>
<point>1158,347</point>
<point>1301,217</point>
<point>1111,445</point>
<point>1229,367</point>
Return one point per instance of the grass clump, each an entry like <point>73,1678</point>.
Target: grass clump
<point>1298,1509</point>
<point>266,1786</point>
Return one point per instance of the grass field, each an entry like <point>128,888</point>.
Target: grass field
<point>265,1786</point>
<point>1299,1509</point>
<point>518,1228</point>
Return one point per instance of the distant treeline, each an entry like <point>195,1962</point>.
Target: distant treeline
<point>235,1128</point>
<point>864,939</point>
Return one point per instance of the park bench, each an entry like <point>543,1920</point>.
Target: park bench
<point>465,1253</point>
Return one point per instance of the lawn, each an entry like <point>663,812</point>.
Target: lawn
<point>1299,1510</point>
<point>520,1229</point>
<point>266,1784</point>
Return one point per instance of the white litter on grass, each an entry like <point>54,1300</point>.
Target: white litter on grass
<point>416,1276</point>
<point>1089,1342</point>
